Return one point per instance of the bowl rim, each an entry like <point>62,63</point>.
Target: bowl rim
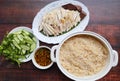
<point>97,76</point>
<point>29,30</point>
<point>36,64</point>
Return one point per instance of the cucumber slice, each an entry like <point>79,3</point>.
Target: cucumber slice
<point>24,47</point>
<point>17,40</point>
<point>32,47</point>
<point>28,40</point>
<point>25,32</point>
<point>15,43</point>
<point>23,52</point>
<point>20,37</point>
<point>34,39</point>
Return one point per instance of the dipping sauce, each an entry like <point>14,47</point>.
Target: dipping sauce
<point>42,56</point>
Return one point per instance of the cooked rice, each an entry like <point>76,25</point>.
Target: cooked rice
<point>83,55</point>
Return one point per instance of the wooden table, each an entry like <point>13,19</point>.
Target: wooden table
<point>104,20</point>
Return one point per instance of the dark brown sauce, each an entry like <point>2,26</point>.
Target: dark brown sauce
<point>42,56</point>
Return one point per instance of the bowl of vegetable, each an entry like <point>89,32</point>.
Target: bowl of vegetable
<point>41,58</point>
<point>19,44</point>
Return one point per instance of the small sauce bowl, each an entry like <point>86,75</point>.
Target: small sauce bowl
<point>41,58</point>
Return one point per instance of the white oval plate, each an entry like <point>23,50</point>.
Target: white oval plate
<point>57,39</point>
<point>37,41</point>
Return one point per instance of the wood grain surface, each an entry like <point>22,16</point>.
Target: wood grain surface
<point>104,20</point>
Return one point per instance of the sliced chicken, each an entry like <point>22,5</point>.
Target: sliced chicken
<point>58,21</point>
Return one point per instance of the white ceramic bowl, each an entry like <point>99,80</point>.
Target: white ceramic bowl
<point>29,30</point>
<point>36,64</point>
<point>57,39</point>
<point>111,62</point>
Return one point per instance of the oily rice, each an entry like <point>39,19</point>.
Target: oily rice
<point>83,55</point>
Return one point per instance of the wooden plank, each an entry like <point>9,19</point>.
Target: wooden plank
<point>20,11</point>
<point>35,74</point>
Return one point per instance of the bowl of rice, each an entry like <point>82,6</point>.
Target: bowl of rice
<point>84,56</point>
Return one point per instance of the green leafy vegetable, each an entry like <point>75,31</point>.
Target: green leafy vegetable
<point>16,46</point>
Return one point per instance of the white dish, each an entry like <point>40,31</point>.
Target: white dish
<point>38,18</point>
<point>36,64</point>
<point>29,30</point>
<point>112,60</point>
